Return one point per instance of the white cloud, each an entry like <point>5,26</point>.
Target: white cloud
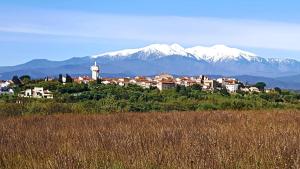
<point>160,29</point>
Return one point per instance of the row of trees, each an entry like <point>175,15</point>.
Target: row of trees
<point>26,79</point>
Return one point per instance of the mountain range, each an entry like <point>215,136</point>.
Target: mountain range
<point>173,59</point>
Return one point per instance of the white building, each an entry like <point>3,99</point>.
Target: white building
<point>221,81</point>
<point>254,89</point>
<point>245,89</point>
<point>82,80</point>
<point>209,84</point>
<point>95,71</point>
<point>4,84</point>
<point>123,81</point>
<point>5,89</point>
<point>37,92</point>
<point>232,88</point>
<point>163,85</point>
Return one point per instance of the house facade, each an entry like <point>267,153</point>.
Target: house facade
<point>37,93</point>
<point>164,85</point>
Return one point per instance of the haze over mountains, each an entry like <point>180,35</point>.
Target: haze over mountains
<point>173,59</point>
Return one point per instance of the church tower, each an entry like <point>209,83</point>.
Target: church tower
<point>95,71</point>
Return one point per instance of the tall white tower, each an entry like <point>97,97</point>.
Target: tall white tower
<point>95,71</point>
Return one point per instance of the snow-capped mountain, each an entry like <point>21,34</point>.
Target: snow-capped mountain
<point>214,54</point>
<point>219,53</point>
<point>218,59</point>
<point>158,58</point>
<point>159,50</point>
<point>282,61</point>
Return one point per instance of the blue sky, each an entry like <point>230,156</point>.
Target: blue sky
<point>61,29</point>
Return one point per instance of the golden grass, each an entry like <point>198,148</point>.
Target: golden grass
<point>219,139</point>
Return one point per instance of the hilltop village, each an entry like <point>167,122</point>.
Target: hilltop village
<point>162,82</point>
<point>166,81</point>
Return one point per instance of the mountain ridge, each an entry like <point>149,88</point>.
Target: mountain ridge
<point>210,54</point>
<point>173,59</point>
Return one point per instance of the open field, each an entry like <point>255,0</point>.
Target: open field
<point>215,139</point>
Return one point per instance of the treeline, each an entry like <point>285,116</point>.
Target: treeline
<point>99,98</point>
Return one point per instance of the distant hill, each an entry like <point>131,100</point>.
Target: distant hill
<point>271,82</point>
<point>294,78</point>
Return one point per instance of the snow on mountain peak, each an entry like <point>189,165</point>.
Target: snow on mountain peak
<point>220,53</point>
<point>159,49</point>
<point>165,50</point>
<point>282,61</point>
<point>215,53</point>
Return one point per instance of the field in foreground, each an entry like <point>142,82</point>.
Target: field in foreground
<point>218,139</point>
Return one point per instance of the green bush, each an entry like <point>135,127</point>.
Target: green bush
<point>11,109</point>
<point>207,106</point>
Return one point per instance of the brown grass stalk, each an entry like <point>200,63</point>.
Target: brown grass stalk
<point>216,139</point>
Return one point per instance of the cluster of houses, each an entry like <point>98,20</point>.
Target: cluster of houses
<point>166,81</point>
<point>162,82</point>
<point>36,92</point>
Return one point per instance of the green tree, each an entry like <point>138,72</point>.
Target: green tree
<point>25,79</point>
<point>16,80</point>
<point>99,81</point>
<point>277,89</point>
<point>261,86</point>
<point>60,78</point>
<point>69,79</point>
<point>196,87</point>
<point>224,92</point>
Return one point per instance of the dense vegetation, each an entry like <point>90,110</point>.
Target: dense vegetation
<point>257,130</point>
<point>185,140</point>
<point>99,98</point>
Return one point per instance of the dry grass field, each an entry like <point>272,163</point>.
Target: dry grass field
<point>218,139</point>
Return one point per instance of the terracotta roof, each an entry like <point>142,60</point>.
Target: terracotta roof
<point>231,81</point>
